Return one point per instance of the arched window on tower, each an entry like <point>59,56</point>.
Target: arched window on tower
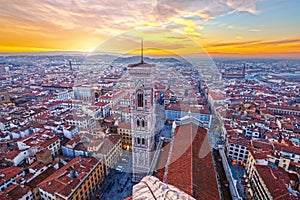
<point>143,123</point>
<point>138,122</point>
<point>140,98</point>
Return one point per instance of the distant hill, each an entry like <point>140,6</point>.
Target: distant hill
<point>137,59</point>
<point>78,58</point>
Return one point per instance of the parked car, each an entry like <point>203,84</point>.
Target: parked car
<point>120,169</point>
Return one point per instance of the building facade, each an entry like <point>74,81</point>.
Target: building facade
<point>237,149</point>
<point>124,130</point>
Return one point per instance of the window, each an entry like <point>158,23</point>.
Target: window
<point>143,141</point>
<point>138,122</point>
<point>138,140</point>
<point>140,98</point>
<point>143,123</point>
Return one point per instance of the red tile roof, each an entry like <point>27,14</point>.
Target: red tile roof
<point>101,104</point>
<point>125,125</point>
<point>4,196</point>
<point>17,192</point>
<point>59,182</point>
<point>109,142</point>
<point>9,173</point>
<point>275,180</point>
<point>191,163</point>
<point>162,161</point>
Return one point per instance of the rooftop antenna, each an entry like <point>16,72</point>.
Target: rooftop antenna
<point>142,51</point>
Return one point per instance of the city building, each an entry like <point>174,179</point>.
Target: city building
<point>16,191</point>
<point>237,149</point>
<point>235,75</point>
<point>108,148</point>
<point>112,97</point>
<point>87,92</point>
<point>283,109</point>
<point>175,111</point>
<point>122,113</point>
<point>75,147</point>
<point>78,179</point>
<point>33,183</point>
<point>81,120</point>
<point>266,182</point>
<point>44,156</point>
<point>4,98</point>
<point>17,157</point>
<point>39,141</point>
<point>9,175</point>
<point>124,129</point>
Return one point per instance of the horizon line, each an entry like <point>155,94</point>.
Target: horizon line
<point>212,54</point>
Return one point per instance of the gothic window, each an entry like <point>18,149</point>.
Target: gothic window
<point>143,141</point>
<point>140,98</point>
<point>143,123</point>
<point>138,140</point>
<point>138,122</point>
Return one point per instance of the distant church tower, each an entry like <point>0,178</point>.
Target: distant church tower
<point>244,69</point>
<point>142,117</point>
<point>70,64</point>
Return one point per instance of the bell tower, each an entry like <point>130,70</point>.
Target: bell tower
<point>142,117</point>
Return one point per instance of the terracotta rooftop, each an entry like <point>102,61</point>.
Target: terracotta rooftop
<point>101,104</point>
<point>191,163</point>
<point>125,125</point>
<point>261,145</point>
<point>9,173</point>
<point>260,153</point>
<point>275,180</point>
<point>240,141</point>
<point>5,196</point>
<point>18,191</point>
<point>41,177</point>
<point>109,142</point>
<point>62,182</point>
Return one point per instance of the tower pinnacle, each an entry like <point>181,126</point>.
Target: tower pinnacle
<point>142,51</point>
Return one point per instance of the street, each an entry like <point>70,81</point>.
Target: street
<point>118,185</point>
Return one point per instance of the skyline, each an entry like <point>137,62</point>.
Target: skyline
<point>264,28</point>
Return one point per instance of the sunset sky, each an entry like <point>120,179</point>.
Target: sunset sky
<point>229,27</point>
